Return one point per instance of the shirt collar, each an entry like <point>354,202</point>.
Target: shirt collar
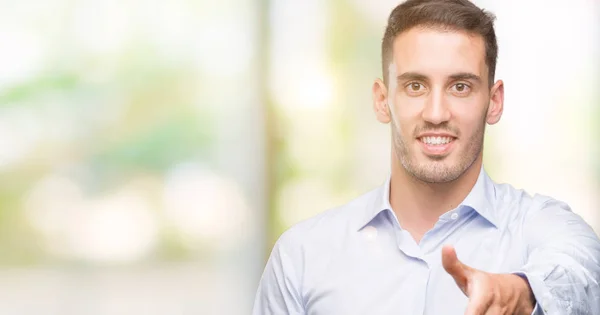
<point>479,199</point>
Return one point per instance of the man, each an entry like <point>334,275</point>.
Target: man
<point>394,250</point>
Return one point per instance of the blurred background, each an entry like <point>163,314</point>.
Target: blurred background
<point>151,152</point>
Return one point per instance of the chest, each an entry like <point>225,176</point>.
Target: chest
<point>380,273</point>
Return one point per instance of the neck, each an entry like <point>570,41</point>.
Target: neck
<point>418,205</point>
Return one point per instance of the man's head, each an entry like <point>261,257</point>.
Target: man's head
<point>439,59</point>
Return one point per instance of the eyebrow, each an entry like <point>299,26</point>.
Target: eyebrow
<point>466,76</point>
<point>409,76</point>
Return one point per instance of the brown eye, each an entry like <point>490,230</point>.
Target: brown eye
<point>461,89</point>
<point>415,86</point>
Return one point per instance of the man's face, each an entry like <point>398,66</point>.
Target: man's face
<point>438,98</point>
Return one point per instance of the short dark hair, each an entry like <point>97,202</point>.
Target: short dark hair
<point>457,15</point>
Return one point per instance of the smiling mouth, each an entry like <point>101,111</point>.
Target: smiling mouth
<point>436,141</point>
<point>437,146</point>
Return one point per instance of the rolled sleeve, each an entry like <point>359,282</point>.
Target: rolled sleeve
<point>563,261</point>
<point>542,296</point>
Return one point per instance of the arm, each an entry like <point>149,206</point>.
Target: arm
<point>278,292</point>
<point>563,261</point>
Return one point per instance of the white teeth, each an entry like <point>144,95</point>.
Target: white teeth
<point>436,140</point>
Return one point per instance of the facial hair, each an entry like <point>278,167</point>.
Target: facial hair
<point>437,169</point>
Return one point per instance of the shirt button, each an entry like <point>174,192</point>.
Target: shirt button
<point>454,216</point>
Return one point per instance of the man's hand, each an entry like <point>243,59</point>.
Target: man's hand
<point>489,293</point>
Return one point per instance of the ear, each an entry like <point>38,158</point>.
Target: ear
<point>496,106</point>
<point>380,103</point>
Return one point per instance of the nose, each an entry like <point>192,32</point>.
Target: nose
<point>436,110</point>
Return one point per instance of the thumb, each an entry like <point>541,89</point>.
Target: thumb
<point>459,271</point>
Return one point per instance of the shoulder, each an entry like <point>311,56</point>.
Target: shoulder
<point>535,213</point>
<point>521,203</point>
<point>328,227</point>
<point>538,220</point>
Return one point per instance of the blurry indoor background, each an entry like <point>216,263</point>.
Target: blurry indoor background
<point>151,152</point>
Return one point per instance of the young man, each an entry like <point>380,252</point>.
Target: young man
<point>394,249</point>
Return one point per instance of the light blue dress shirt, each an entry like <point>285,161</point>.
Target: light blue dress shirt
<point>357,259</point>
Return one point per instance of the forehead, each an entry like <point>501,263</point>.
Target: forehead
<point>439,52</point>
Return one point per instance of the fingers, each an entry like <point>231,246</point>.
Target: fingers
<point>454,267</point>
<point>450,260</point>
<point>495,311</point>
<point>480,300</point>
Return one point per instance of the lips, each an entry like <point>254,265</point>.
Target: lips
<point>436,145</point>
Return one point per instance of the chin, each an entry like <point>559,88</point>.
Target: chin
<point>428,158</point>
<point>441,170</point>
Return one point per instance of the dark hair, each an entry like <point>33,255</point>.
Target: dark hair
<point>455,15</point>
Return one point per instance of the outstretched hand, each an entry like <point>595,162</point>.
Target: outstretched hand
<point>489,293</point>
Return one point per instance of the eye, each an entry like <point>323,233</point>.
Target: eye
<point>461,88</point>
<point>415,88</point>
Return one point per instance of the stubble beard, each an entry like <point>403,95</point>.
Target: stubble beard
<point>436,170</point>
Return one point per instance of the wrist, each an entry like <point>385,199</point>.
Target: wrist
<point>526,299</point>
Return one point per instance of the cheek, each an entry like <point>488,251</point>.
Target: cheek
<point>407,108</point>
<point>470,129</point>
<point>469,109</point>
<point>468,116</point>
<point>404,126</point>
<point>468,113</point>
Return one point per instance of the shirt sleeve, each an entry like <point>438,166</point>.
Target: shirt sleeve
<point>279,288</point>
<point>563,261</point>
